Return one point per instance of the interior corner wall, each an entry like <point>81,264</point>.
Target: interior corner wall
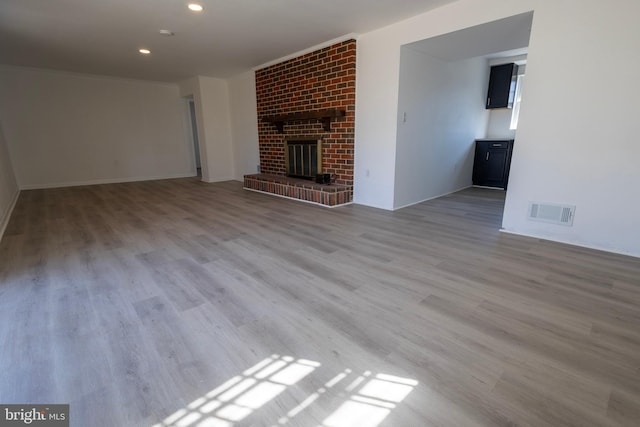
<point>441,113</point>
<point>244,119</point>
<point>213,119</point>
<point>577,138</point>
<point>8,185</point>
<point>71,129</point>
<point>376,118</point>
<point>216,124</point>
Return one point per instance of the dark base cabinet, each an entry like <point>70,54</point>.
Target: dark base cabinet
<point>491,163</point>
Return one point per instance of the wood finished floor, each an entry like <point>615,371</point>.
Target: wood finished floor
<point>136,302</point>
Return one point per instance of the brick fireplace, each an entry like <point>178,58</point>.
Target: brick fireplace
<point>311,97</point>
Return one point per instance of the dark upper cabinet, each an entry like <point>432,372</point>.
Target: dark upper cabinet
<point>502,86</point>
<point>492,162</point>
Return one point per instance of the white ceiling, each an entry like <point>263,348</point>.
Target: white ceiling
<point>228,37</point>
<point>501,38</point>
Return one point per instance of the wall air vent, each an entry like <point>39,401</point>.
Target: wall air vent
<point>552,213</point>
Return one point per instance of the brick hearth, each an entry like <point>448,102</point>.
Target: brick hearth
<point>301,189</point>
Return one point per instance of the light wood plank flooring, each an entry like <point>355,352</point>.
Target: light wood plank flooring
<point>189,304</point>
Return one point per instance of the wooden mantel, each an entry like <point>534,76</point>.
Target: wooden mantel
<point>324,116</point>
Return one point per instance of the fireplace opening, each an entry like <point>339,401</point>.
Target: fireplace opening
<point>303,156</point>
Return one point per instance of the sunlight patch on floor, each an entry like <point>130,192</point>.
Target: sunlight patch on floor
<point>364,400</point>
<point>369,405</point>
<point>239,397</point>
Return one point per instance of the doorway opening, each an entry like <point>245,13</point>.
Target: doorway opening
<point>442,98</point>
<point>194,136</point>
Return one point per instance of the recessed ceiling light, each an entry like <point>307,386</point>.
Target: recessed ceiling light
<point>167,33</point>
<point>144,51</point>
<point>195,7</point>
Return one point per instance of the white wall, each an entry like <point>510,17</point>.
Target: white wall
<point>68,129</point>
<point>500,123</point>
<point>8,184</point>
<point>217,125</point>
<point>444,106</point>
<point>376,119</point>
<point>244,124</point>
<point>577,131</point>
<point>213,117</point>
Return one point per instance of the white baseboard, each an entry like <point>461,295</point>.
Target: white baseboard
<point>105,181</point>
<point>218,179</point>
<point>431,198</point>
<point>571,243</point>
<point>7,214</point>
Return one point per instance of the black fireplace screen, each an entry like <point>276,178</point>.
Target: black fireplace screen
<point>303,157</point>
